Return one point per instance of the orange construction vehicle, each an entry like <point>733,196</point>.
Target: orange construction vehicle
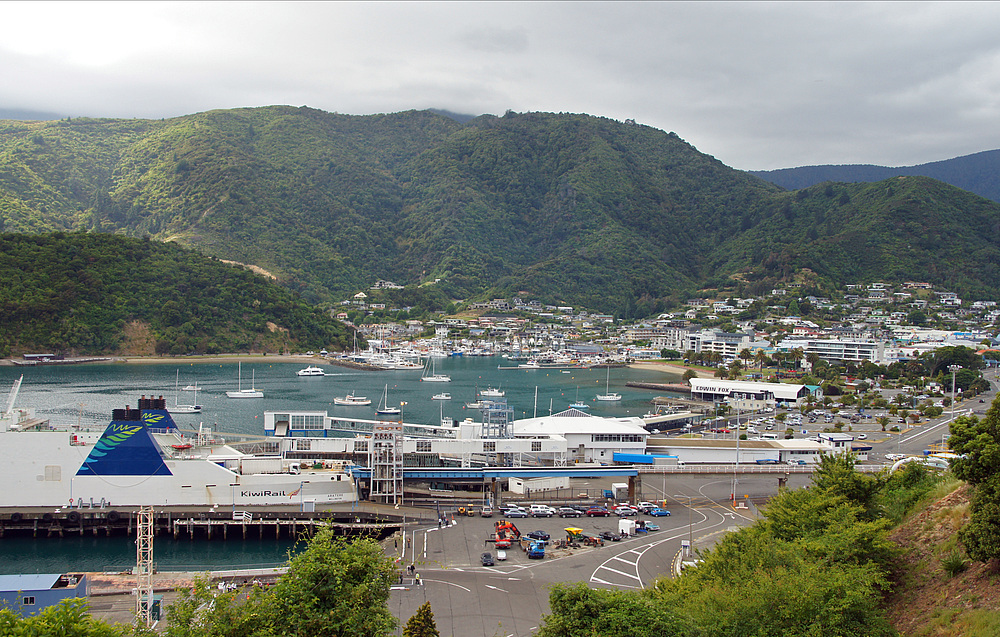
<point>506,533</point>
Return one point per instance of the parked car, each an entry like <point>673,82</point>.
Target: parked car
<point>658,512</point>
<point>594,512</point>
<point>539,535</point>
<point>623,510</point>
<point>501,556</point>
<point>542,511</point>
<point>568,512</point>
<point>645,506</point>
<point>515,513</point>
<point>611,537</point>
<point>652,527</point>
<point>487,512</point>
<point>486,559</point>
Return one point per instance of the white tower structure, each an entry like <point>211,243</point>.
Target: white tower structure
<point>144,567</point>
<point>387,463</point>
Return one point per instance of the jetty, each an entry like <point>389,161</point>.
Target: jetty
<point>356,519</point>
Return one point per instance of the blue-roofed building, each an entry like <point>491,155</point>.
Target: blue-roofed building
<point>30,594</point>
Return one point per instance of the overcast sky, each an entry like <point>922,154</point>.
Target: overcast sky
<point>757,85</point>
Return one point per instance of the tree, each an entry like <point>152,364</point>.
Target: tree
<point>688,375</point>
<point>422,623</point>
<point>69,617</point>
<point>977,442</point>
<point>334,587</point>
<point>578,610</point>
<point>836,474</point>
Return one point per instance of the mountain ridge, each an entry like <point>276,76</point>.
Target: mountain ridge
<point>975,172</point>
<point>614,216</point>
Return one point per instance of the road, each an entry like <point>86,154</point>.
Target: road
<point>511,597</point>
<point>916,439</point>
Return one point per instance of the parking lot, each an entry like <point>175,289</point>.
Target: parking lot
<point>511,597</point>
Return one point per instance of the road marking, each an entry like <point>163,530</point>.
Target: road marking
<point>494,588</point>
<point>438,581</point>
<point>628,575</point>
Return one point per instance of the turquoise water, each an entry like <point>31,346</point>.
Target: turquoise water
<point>88,393</point>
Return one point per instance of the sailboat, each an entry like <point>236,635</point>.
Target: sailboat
<point>193,408</point>
<point>433,376</point>
<point>608,396</point>
<point>245,393</point>
<point>383,407</point>
<point>578,404</point>
<point>446,421</point>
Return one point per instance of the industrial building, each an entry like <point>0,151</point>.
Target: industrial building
<point>30,594</point>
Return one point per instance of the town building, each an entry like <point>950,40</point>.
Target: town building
<point>748,395</point>
<point>30,594</point>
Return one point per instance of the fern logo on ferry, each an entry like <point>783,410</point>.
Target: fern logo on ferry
<point>110,440</point>
<point>127,449</point>
<point>152,420</point>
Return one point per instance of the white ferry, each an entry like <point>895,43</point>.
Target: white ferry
<point>142,458</point>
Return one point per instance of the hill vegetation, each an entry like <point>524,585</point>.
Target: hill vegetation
<point>569,209</point>
<point>89,293</point>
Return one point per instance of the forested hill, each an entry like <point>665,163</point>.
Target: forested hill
<point>89,293</point>
<point>978,173</point>
<point>574,209</point>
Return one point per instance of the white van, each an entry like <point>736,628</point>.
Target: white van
<point>768,436</point>
<point>542,511</point>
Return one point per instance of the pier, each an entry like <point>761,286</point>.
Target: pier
<point>212,522</point>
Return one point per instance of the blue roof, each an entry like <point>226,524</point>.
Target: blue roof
<point>417,473</point>
<point>29,582</point>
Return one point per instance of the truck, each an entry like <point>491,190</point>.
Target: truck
<point>536,550</point>
<point>626,527</point>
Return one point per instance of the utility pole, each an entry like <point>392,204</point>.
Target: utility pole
<point>954,370</point>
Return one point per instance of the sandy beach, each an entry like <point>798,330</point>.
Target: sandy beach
<point>228,358</point>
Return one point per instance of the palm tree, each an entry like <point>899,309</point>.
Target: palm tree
<point>796,356</point>
<point>760,357</point>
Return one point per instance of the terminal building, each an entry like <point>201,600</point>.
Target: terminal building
<point>568,437</point>
<point>715,451</point>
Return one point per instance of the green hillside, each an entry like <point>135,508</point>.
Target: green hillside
<point>575,209</point>
<point>88,293</point>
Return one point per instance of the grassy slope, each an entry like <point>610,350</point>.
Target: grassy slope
<point>926,600</point>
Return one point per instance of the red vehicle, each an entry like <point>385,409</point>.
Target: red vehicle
<point>597,512</point>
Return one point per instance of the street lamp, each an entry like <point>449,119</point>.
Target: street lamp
<point>690,547</point>
<point>954,370</point>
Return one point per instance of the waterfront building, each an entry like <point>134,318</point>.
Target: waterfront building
<point>30,594</point>
<point>748,395</point>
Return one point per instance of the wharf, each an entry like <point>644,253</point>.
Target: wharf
<point>360,518</point>
<point>680,388</point>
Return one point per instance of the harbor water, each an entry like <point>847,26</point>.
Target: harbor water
<point>86,394</point>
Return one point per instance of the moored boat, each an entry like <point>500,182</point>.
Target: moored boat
<point>141,458</point>
<point>252,392</point>
<point>351,400</point>
<point>312,370</point>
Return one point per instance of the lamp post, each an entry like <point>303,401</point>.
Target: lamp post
<point>690,546</point>
<point>953,369</point>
